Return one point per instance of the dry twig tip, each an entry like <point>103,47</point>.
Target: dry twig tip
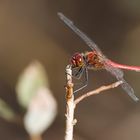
<point>97,91</point>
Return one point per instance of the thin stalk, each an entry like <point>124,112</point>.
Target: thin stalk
<point>35,137</point>
<point>70,105</point>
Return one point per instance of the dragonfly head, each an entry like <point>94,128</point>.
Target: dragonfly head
<point>77,60</point>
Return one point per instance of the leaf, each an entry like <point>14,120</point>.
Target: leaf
<point>32,78</point>
<point>6,112</point>
<point>41,112</point>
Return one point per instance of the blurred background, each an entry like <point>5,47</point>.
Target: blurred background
<point>31,30</point>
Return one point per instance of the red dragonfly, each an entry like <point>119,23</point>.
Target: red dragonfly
<point>95,59</point>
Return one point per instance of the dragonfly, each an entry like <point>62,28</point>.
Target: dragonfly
<point>96,60</point>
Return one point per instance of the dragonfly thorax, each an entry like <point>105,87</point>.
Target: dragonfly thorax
<point>77,60</point>
<point>93,60</point>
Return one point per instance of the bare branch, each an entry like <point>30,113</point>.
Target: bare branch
<point>97,91</point>
<point>70,105</point>
<point>35,137</point>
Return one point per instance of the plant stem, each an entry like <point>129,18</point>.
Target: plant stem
<point>97,91</point>
<point>35,137</point>
<point>70,105</point>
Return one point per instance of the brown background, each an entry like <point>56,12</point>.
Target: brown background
<point>31,30</point>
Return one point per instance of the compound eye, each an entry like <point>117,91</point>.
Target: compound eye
<point>73,62</point>
<point>79,59</point>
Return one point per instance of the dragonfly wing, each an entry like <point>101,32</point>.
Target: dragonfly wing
<point>81,34</point>
<point>119,75</point>
<point>129,90</point>
<point>114,71</point>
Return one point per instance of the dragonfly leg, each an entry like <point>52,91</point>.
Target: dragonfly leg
<point>85,82</point>
<point>79,73</point>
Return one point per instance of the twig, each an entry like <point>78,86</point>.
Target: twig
<point>35,137</point>
<point>70,105</point>
<point>97,91</point>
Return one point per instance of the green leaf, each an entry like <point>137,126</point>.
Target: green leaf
<point>6,112</point>
<point>32,78</point>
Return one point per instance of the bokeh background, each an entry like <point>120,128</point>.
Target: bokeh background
<point>31,30</point>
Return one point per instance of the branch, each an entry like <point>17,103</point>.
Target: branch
<point>97,91</point>
<point>37,137</point>
<point>70,105</point>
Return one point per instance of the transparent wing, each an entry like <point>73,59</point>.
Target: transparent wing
<point>82,35</point>
<point>119,75</point>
